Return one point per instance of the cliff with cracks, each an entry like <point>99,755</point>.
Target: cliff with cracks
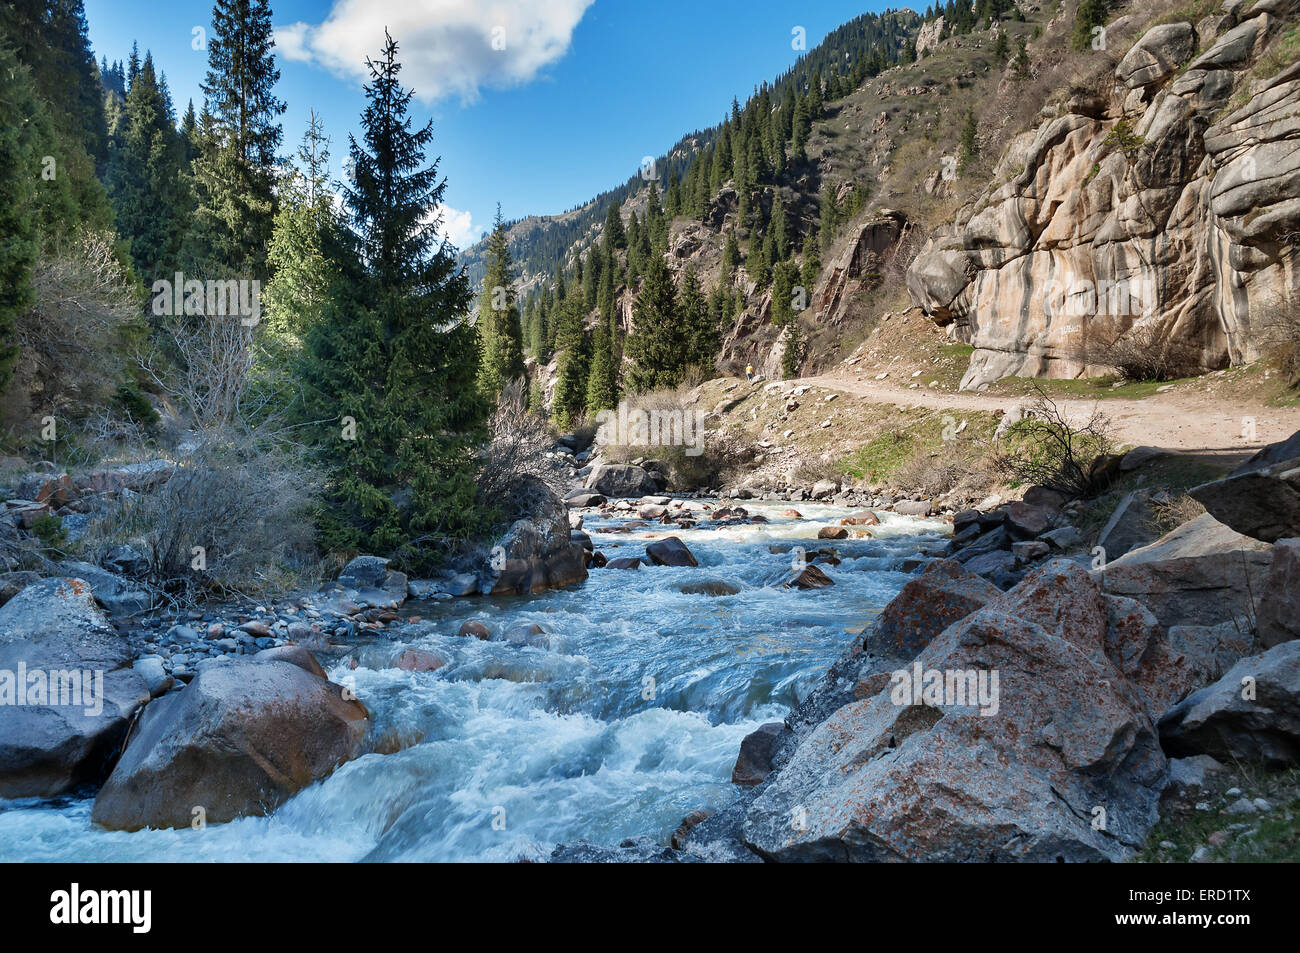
<point>1160,209</point>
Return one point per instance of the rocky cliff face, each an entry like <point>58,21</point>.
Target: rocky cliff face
<point>1165,210</point>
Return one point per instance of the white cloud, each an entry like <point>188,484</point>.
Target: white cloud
<point>448,47</point>
<point>457,226</point>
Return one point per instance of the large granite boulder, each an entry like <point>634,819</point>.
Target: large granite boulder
<point>621,481</point>
<point>944,593</point>
<point>1279,607</point>
<point>536,554</point>
<point>1202,573</point>
<point>67,690</point>
<point>1054,759</point>
<point>1263,503</point>
<point>239,740</point>
<point>1252,714</point>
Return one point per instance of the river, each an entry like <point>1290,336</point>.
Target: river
<point>631,720</point>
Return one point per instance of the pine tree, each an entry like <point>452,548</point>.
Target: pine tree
<point>394,358</point>
<point>602,379</point>
<point>571,382</point>
<point>656,345</point>
<point>500,334</point>
<point>304,250</point>
<point>20,110</point>
<point>145,178</point>
<point>615,237</point>
<point>234,177</point>
<point>969,145</point>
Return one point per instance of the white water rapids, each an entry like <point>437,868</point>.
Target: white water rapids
<point>629,722</point>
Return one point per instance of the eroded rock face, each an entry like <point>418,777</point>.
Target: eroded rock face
<point>944,593</point>
<point>1062,735</point>
<point>1180,240</point>
<point>239,740</point>
<point>54,632</point>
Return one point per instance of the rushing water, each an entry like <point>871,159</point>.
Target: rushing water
<point>631,720</point>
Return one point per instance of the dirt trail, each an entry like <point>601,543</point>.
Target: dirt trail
<point>1178,420</point>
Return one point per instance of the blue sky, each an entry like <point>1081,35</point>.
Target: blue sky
<point>537,104</point>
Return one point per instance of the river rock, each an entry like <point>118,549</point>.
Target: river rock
<point>1131,526</point>
<point>754,762</point>
<point>582,499</point>
<point>1063,735</point>
<point>914,508</point>
<point>539,552</point>
<point>944,593</point>
<point>114,593</point>
<point>1279,607</point>
<point>475,629</point>
<point>55,630</point>
<point>801,577</point>
<point>710,587</point>
<point>832,532</point>
<point>528,633</point>
<point>1202,573</point>
<point>1252,714</point>
<point>239,740</point>
<point>670,552</point>
<point>417,660</point>
<point>1026,521</point>
<point>624,562</point>
<point>621,481</point>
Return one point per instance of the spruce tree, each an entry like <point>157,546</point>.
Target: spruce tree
<point>571,382</point>
<point>500,333</point>
<point>235,175</point>
<point>656,344</point>
<point>615,237</point>
<point>20,110</point>
<point>145,178</point>
<point>394,363</point>
<point>602,379</point>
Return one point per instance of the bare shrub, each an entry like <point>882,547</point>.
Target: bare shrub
<point>518,454</point>
<point>1278,334</point>
<point>74,341</point>
<point>961,467</point>
<point>1141,353</point>
<point>235,516</point>
<point>1046,449</point>
<point>1174,512</point>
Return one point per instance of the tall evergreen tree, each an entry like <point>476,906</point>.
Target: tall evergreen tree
<point>500,332</point>
<point>145,178</point>
<point>235,175</point>
<point>656,344</point>
<point>20,111</point>
<point>394,358</point>
<point>571,382</point>
<point>602,379</point>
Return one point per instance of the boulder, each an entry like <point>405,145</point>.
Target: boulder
<point>1157,55</point>
<point>670,552</point>
<point>238,741</point>
<point>416,660</point>
<point>801,577</point>
<point>1190,779</point>
<point>539,553</point>
<point>114,593</point>
<point>1132,526</point>
<point>1202,573</point>
<point>1279,607</point>
<point>944,593</point>
<point>1252,714</point>
<point>862,519</point>
<point>55,639</point>
<point>832,532</point>
<point>527,633</point>
<point>475,629</point>
<point>824,489</point>
<point>295,655</point>
<point>582,499</point>
<point>624,562</point>
<point>621,481</point>
<point>754,763</point>
<point>919,508</point>
<point>1026,521</point>
<point>1016,769</point>
<point>1262,503</point>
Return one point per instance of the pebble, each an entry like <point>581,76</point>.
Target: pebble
<point>1240,806</point>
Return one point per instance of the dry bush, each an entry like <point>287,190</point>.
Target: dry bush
<point>1173,513</point>
<point>73,342</point>
<point>1046,449</point>
<point>1141,353</point>
<point>245,504</point>
<point>1278,334</point>
<point>517,455</point>
<point>963,467</point>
